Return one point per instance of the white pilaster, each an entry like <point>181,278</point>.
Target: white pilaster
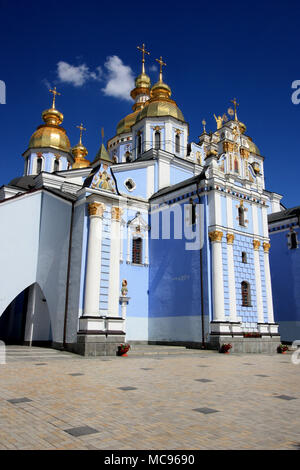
<point>217,275</point>
<point>114,270</point>
<point>266,247</point>
<point>28,336</point>
<point>231,278</point>
<point>163,173</point>
<point>229,212</point>
<point>259,302</point>
<point>93,269</point>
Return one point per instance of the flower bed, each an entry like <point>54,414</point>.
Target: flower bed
<point>123,349</point>
<point>225,348</point>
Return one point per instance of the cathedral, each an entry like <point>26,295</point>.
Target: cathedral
<point>155,240</point>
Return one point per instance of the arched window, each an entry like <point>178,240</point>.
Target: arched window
<point>241,211</point>
<point>39,165</point>
<point>294,241</point>
<point>137,247</point>
<point>236,165</point>
<point>139,144</point>
<point>177,143</point>
<point>56,165</point>
<point>244,257</point>
<point>245,289</point>
<point>157,140</point>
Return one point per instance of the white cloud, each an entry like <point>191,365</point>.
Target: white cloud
<point>76,75</point>
<point>153,68</point>
<point>120,79</point>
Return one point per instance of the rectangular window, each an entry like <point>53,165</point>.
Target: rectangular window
<point>137,244</point>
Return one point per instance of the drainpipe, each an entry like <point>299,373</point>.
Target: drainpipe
<point>68,278</point>
<point>201,282</point>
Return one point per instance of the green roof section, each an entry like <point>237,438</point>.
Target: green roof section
<point>102,155</point>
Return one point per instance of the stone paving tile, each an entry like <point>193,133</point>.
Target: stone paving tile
<point>159,413</point>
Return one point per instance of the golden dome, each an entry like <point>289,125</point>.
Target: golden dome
<point>242,127</point>
<point>51,134</point>
<point>160,103</point>
<point>127,122</point>
<point>253,147</point>
<point>143,81</point>
<point>79,153</point>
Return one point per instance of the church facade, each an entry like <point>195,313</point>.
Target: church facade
<point>158,239</point>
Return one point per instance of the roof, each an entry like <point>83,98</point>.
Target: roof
<point>102,155</point>
<point>23,182</point>
<point>169,189</point>
<point>282,215</point>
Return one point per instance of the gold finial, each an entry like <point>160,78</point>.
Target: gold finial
<point>102,134</point>
<point>81,129</point>
<point>235,104</point>
<point>161,64</point>
<point>143,51</point>
<point>204,124</point>
<point>54,92</point>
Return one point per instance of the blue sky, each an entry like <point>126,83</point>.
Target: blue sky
<point>214,51</point>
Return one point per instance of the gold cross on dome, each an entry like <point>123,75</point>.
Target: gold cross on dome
<point>54,92</point>
<point>161,64</point>
<point>143,51</point>
<point>81,129</point>
<point>235,104</point>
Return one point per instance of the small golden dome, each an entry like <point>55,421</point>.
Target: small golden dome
<point>51,134</point>
<point>143,81</point>
<point>253,147</point>
<point>161,89</point>
<point>79,152</point>
<point>242,127</point>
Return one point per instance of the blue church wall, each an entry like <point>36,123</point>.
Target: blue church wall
<point>285,275</point>
<point>174,288</point>
<point>139,176</point>
<point>245,272</point>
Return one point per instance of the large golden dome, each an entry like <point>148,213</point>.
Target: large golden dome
<point>51,134</point>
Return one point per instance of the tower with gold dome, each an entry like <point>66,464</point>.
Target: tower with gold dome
<point>49,148</point>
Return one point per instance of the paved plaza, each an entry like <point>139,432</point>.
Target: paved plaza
<point>156,398</point>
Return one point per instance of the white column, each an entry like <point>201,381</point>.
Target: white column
<point>217,275</point>
<point>93,269</point>
<point>266,247</point>
<point>114,270</point>
<point>231,278</point>
<point>128,254</point>
<point>146,257</point>
<point>259,302</point>
<point>28,336</point>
